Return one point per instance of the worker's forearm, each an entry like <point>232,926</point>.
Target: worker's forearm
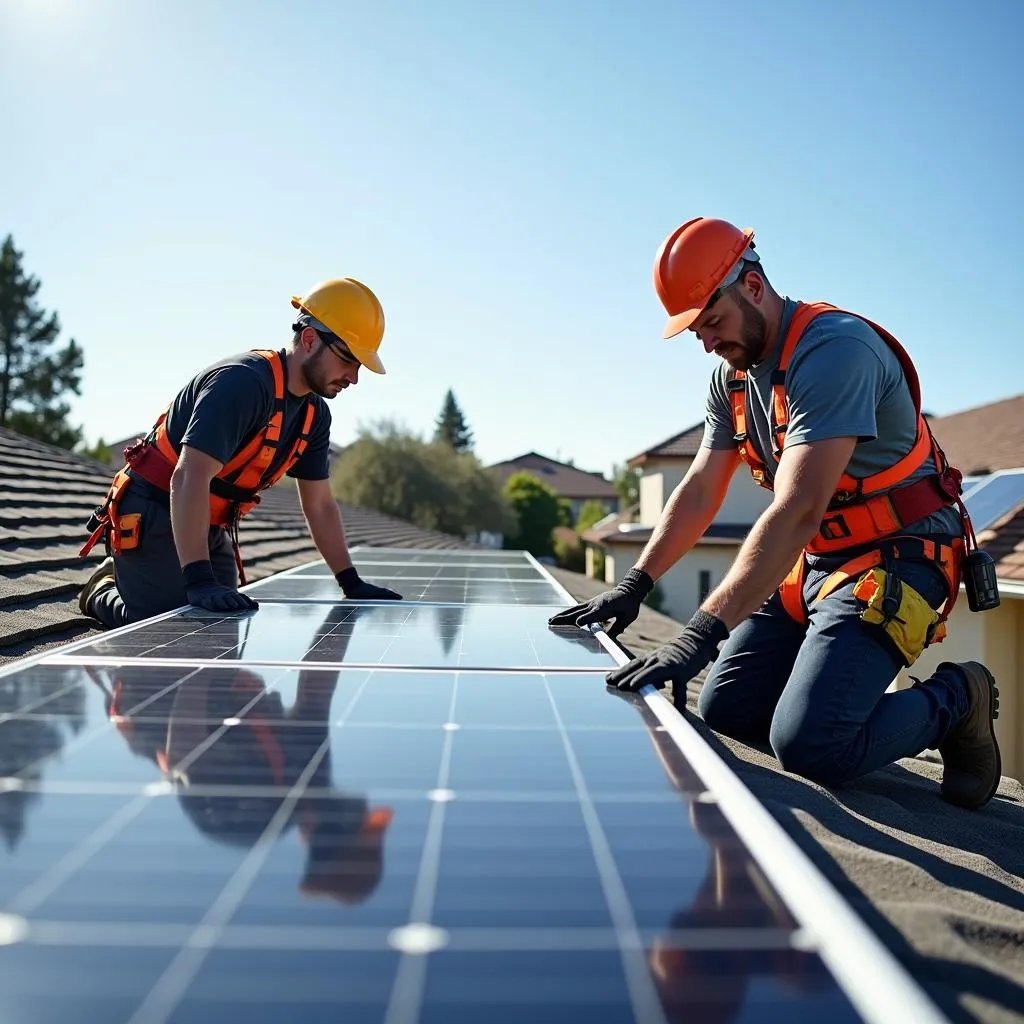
<point>685,517</point>
<point>765,559</point>
<point>328,533</point>
<point>190,517</point>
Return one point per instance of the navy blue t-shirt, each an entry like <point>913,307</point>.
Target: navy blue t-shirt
<point>221,409</point>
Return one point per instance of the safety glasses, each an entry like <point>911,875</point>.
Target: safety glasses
<point>338,347</point>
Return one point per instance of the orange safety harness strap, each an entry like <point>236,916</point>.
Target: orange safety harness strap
<point>861,510</point>
<point>866,510</point>
<point>233,491</point>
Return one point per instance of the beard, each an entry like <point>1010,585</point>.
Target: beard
<point>748,350</point>
<point>318,378</point>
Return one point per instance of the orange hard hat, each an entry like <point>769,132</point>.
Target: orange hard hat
<point>693,263</point>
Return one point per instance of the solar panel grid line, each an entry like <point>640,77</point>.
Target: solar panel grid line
<point>643,996</point>
<point>874,981</point>
<point>119,934</point>
<point>315,666</point>
<point>468,583</point>
<point>406,1000</point>
<point>467,636</point>
<point>172,985</point>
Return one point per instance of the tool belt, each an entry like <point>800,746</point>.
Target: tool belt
<point>143,463</point>
<point>905,622</point>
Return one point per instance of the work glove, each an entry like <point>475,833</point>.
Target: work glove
<point>357,589</point>
<point>621,603</point>
<point>203,591</point>
<point>677,661</point>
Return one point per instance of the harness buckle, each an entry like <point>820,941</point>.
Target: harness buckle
<point>835,527</point>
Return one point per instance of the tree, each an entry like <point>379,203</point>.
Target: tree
<point>627,483</point>
<point>451,425</point>
<point>591,511</point>
<point>33,380</point>
<point>101,452</point>
<point>537,508</point>
<point>394,471</point>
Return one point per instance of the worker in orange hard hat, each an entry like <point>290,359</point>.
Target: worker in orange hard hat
<point>170,518</point>
<point>853,568</point>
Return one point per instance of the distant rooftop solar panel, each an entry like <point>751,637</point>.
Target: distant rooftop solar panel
<point>994,496</point>
<point>395,812</point>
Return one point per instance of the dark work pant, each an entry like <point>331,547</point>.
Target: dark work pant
<point>817,693</point>
<point>149,577</point>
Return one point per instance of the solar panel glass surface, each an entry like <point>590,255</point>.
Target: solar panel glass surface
<point>393,812</point>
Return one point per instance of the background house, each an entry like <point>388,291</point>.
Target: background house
<point>576,486</point>
<point>621,537</point>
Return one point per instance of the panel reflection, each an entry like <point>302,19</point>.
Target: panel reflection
<point>453,636</point>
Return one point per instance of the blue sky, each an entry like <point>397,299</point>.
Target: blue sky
<point>501,174</point>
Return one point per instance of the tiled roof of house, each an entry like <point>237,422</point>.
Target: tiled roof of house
<point>46,497</point>
<point>985,438</point>
<point>565,480</point>
<point>683,445</point>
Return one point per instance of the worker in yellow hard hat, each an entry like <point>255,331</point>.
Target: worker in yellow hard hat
<point>170,518</point>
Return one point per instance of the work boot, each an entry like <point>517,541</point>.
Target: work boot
<point>101,578</point>
<point>970,752</point>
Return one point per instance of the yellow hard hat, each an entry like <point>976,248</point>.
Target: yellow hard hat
<point>349,309</point>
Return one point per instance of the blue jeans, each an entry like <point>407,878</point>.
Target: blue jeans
<point>816,693</point>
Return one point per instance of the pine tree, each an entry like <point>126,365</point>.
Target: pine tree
<point>32,380</point>
<point>451,425</point>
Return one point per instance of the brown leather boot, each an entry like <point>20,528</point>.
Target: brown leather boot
<point>970,752</point>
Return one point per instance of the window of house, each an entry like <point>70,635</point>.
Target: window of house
<point>703,585</point>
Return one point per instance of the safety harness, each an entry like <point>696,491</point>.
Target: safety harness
<point>868,511</point>
<point>233,491</point>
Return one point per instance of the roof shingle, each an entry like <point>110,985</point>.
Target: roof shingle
<point>985,438</point>
<point>565,480</point>
<point>683,445</point>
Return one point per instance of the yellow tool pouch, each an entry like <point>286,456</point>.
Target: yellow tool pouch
<point>907,620</point>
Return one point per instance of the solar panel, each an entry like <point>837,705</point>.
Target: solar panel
<point>994,496</point>
<point>411,812</point>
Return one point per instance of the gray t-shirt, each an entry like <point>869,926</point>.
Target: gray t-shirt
<point>843,380</point>
<point>223,407</point>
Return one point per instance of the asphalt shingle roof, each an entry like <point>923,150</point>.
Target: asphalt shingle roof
<point>565,480</point>
<point>683,445</point>
<point>985,438</point>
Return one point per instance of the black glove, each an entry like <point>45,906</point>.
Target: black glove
<point>203,590</point>
<point>621,603</point>
<point>357,589</point>
<point>679,660</point>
